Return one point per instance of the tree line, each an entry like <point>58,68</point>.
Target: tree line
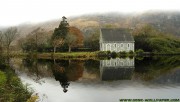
<point>7,37</point>
<point>63,38</point>
<point>68,38</point>
<point>150,39</point>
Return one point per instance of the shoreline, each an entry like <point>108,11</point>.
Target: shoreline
<point>84,55</point>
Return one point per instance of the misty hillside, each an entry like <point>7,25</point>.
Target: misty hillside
<point>168,22</point>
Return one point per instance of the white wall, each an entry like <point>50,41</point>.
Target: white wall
<point>117,47</point>
<point>118,62</point>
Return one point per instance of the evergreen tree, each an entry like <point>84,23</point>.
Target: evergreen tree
<point>62,30</point>
<point>57,39</point>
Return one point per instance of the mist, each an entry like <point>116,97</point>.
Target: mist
<point>15,12</point>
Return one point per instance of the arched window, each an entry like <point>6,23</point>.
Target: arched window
<point>108,47</point>
<point>108,63</point>
<point>112,47</point>
<point>121,63</point>
<point>121,44</point>
<point>128,47</point>
<point>104,47</point>
<point>115,47</point>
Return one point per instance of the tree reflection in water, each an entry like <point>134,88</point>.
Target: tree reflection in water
<point>33,67</point>
<point>59,73</point>
<point>67,70</point>
<point>64,71</point>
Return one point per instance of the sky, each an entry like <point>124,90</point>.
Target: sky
<point>15,12</point>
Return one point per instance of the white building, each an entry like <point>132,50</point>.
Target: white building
<point>116,39</point>
<point>116,69</point>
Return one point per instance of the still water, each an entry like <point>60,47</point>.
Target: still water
<point>97,80</point>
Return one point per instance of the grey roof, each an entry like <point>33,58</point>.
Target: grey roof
<point>116,34</point>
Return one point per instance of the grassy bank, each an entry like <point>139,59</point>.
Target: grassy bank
<point>11,87</point>
<point>52,55</point>
<point>76,55</point>
<point>86,55</point>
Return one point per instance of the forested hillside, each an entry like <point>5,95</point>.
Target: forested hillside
<point>168,22</point>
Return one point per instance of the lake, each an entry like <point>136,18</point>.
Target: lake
<point>106,80</point>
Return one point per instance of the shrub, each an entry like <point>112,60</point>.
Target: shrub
<point>139,57</point>
<point>11,88</point>
<point>102,54</point>
<point>108,52</point>
<point>113,54</point>
<point>131,52</point>
<point>33,98</point>
<point>15,81</point>
<point>131,57</point>
<point>122,54</point>
<point>2,79</point>
<point>139,52</point>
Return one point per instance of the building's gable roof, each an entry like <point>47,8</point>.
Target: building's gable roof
<point>116,34</point>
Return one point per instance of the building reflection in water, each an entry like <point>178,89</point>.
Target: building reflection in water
<point>117,69</point>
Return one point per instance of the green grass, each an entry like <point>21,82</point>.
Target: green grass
<point>3,79</point>
<point>58,55</point>
<point>11,87</point>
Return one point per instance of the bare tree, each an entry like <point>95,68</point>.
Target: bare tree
<point>74,38</point>
<point>1,40</point>
<point>36,32</point>
<point>1,37</point>
<point>9,36</point>
<point>57,42</point>
<point>71,40</point>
